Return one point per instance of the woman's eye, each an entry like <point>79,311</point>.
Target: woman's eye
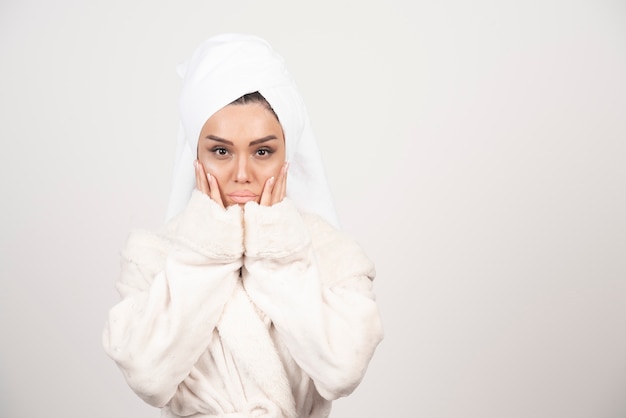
<point>263,152</point>
<point>219,151</point>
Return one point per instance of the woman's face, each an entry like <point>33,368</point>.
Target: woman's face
<point>242,145</point>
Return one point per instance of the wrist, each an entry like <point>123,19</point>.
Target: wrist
<point>274,231</point>
<point>211,229</point>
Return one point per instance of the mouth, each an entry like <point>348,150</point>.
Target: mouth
<point>242,196</point>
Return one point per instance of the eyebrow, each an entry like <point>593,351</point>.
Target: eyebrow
<point>255,142</point>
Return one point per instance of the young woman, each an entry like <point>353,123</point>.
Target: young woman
<point>249,302</point>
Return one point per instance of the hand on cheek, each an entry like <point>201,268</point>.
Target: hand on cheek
<point>275,188</point>
<point>207,184</point>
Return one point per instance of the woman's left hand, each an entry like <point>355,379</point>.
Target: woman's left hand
<point>275,188</point>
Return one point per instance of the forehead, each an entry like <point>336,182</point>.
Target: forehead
<point>243,121</point>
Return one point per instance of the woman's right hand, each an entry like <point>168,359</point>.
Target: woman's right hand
<point>207,183</point>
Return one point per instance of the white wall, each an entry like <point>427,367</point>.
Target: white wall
<point>476,150</point>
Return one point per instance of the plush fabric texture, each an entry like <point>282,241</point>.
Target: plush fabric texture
<point>243,312</point>
<point>224,68</point>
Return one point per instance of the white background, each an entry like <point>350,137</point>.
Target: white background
<point>475,149</point>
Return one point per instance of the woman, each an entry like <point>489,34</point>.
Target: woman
<point>249,302</point>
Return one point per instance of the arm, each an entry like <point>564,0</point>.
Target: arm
<point>173,291</point>
<point>317,292</point>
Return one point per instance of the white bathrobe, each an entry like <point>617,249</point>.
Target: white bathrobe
<point>243,312</point>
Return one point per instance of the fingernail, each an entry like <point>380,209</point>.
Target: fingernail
<point>271,180</point>
<point>208,176</point>
<point>195,163</point>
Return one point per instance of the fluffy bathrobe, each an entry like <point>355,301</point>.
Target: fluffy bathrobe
<point>243,312</point>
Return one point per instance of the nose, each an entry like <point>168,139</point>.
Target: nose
<point>242,170</point>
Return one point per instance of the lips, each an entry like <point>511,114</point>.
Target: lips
<point>242,196</point>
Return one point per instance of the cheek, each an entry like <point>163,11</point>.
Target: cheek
<point>219,171</point>
<point>266,171</point>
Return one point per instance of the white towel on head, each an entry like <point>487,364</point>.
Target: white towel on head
<point>224,68</point>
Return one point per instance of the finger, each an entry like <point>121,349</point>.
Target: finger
<point>195,169</point>
<point>279,189</point>
<point>266,195</point>
<point>201,180</point>
<point>283,184</point>
<point>214,189</point>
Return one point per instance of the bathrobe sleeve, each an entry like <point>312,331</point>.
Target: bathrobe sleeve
<point>315,284</point>
<point>173,289</point>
